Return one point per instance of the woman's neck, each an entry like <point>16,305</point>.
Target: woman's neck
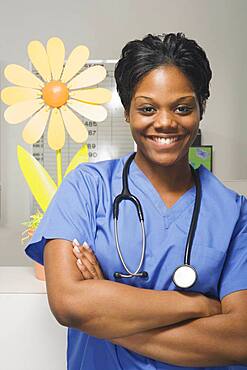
<point>174,179</point>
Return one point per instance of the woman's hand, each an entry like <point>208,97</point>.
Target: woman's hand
<point>202,305</point>
<point>87,262</point>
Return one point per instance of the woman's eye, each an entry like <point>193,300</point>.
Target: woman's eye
<point>146,110</point>
<point>183,109</point>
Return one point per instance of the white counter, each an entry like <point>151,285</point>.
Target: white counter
<point>30,336</point>
<point>20,280</point>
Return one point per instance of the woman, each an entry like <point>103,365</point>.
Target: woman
<point>148,322</point>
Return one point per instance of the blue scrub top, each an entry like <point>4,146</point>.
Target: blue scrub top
<point>82,209</point>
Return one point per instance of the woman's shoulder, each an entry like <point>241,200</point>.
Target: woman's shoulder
<point>219,192</point>
<point>98,172</point>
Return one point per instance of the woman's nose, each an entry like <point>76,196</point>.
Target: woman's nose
<point>164,119</point>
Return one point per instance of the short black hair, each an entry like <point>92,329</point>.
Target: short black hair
<point>142,56</point>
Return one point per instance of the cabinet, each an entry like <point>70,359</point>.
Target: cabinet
<point>30,336</point>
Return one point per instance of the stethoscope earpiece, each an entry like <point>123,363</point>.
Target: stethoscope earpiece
<point>117,275</point>
<point>145,274</point>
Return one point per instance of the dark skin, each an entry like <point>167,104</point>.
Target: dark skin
<point>87,262</point>
<point>78,303</point>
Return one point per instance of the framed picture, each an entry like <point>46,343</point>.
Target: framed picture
<point>201,155</point>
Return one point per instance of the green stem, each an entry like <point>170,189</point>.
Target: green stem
<point>59,166</point>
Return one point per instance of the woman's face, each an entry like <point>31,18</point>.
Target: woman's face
<point>164,117</point>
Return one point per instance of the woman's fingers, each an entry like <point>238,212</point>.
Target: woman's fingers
<point>77,252</point>
<point>88,254</point>
<point>85,272</point>
<point>84,266</point>
<point>87,261</point>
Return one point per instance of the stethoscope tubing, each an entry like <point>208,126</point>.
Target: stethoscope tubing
<point>194,218</point>
<point>136,273</point>
<point>126,195</point>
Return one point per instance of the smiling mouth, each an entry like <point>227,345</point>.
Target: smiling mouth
<point>165,141</point>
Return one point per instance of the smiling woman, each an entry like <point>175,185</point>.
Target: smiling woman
<point>164,118</point>
<point>143,319</point>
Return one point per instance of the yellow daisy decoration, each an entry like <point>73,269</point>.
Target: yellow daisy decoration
<point>57,95</point>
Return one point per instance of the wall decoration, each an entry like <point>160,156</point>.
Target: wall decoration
<point>59,96</point>
<point>201,155</point>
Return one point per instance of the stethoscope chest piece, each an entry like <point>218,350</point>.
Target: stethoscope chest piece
<point>184,276</point>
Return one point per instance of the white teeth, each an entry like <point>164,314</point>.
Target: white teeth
<point>162,140</point>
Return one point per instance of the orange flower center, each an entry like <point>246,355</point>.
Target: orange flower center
<point>55,94</point>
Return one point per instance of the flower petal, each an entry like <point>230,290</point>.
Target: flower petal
<point>75,62</point>
<point>39,58</point>
<point>56,52</point>
<point>95,96</point>
<point>92,112</point>
<point>56,131</point>
<point>89,77</point>
<point>35,127</point>
<point>20,76</point>
<point>74,126</point>
<point>13,94</point>
<point>20,111</point>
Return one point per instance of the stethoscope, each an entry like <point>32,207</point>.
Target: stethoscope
<point>185,275</point>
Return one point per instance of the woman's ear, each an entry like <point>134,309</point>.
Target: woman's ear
<point>126,116</point>
<point>204,103</point>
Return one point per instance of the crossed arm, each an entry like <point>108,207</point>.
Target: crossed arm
<point>172,327</point>
<point>218,340</point>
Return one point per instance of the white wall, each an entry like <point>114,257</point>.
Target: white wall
<point>105,26</point>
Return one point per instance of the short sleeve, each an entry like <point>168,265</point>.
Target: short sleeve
<point>71,213</point>
<point>234,274</point>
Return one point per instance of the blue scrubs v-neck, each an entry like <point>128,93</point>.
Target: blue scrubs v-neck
<point>169,214</point>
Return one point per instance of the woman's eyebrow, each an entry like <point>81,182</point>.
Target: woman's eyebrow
<point>175,101</point>
<point>145,97</point>
<point>185,97</point>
